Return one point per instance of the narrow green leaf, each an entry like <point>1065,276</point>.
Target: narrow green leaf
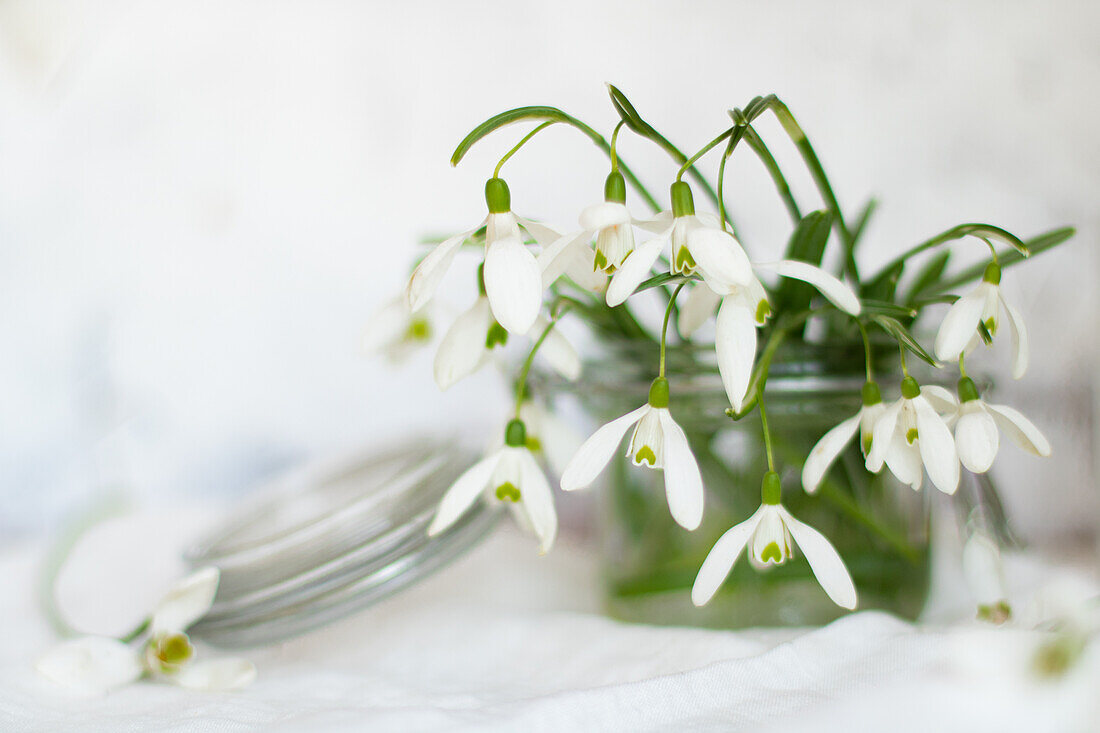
<point>665,278</point>
<point>629,114</point>
<point>886,308</point>
<point>928,275</point>
<point>904,337</point>
<point>884,286</point>
<point>862,219</point>
<point>507,118</point>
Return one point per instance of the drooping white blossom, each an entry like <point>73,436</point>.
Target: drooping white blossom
<point>771,535</point>
<point>911,436</point>
<point>978,426</point>
<point>96,664</point>
<point>657,442</point>
<point>509,475</point>
<point>513,279</point>
<point>394,331</point>
<point>834,441</point>
<point>981,308</point>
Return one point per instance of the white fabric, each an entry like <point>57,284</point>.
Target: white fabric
<point>507,641</point>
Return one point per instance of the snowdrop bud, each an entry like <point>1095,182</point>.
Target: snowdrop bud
<point>682,202</point>
<point>992,274</point>
<point>614,189</point>
<point>967,390</point>
<point>770,489</point>
<point>658,392</point>
<point>497,196</point>
<point>515,434</point>
<point>909,388</point>
<point>872,395</point>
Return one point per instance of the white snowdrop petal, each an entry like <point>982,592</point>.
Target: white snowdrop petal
<point>1021,430</point>
<point>91,665</point>
<point>903,460</point>
<point>959,324</point>
<point>735,344</point>
<point>186,602</point>
<point>538,501</point>
<point>464,492</point>
<point>556,350</point>
<point>660,224</point>
<point>513,283</point>
<point>544,235</point>
<point>976,440</point>
<point>721,558</point>
<point>604,214</point>
<point>1020,346</point>
<point>941,398</point>
<point>831,287</point>
<point>826,451</point>
<point>462,349</point>
<point>719,256</point>
<point>216,675</point>
<point>937,447</point>
<point>981,560</point>
<point>555,259</point>
<point>428,274</point>
<point>683,482</point>
<point>696,308</point>
<point>824,560</point>
<point>387,325</point>
<point>583,271</point>
<point>882,435</point>
<point>636,268</point>
<point>595,452</point>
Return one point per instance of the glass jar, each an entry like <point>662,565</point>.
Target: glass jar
<point>879,526</point>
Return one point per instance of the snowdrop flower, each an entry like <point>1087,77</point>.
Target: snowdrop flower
<point>395,332</point>
<point>657,442</point>
<point>833,442</point>
<point>475,334</point>
<point>509,475</point>
<point>911,432</point>
<point>976,432</point>
<point>770,535</point>
<point>982,306</point>
<point>513,280</point>
<point>981,561</point>
<point>743,309</point>
<point>613,228</point>
<point>96,664</point>
<point>698,243</point>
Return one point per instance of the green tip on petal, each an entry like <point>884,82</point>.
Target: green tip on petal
<point>770,488</point>
<point>508,492</point>
<point>419,330</point>
<point>497,335</point>
<point>658,392</point>
<point>909,388</point>
<point>911,436</point>
<point>682,202</point>
<point>497,196</point>
<point>992,273</point>
<point>481,279</point>
<point>968,391</point>
<point>515,435</point>
<point>763,311</point>
<point>614,188</point>
<point>645,454</point>
<point>872,395</point>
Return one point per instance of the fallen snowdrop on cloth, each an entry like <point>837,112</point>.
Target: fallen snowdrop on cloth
<point>505,640</point>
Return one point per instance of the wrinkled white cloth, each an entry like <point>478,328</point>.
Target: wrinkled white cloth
<point>505,640</point>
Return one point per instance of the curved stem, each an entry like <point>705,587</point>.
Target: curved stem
<point>962,364</point>
<point>866,349</point>
<point>664,325</point>
<point>904,366</point>
<point>613,152</point>
<point>690,162</point>
<point>764,426</point>
<point>520,144</point>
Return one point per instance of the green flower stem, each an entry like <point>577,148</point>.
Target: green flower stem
<point>555,114</point>
<point>866,350</point>
<point>521,384</point>
<point>520,144</point>
<point>136,632</point>
<point>614,151</point>
<point>664,326</point>
<point>764,427</point>
<point>690,162</point>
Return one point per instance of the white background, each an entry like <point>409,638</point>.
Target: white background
<point>201,203</point>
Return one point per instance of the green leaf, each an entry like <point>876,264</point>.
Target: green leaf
<point>1035,245</point>
<point>886,308</point>
<point>665,278</point>
<point>807,244</point>
<point>928,275</point>
<point>862,219</point>
<point>906,339</point>
<point>508,118</point>
<point>885,285</point>
<point>630,115</point>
